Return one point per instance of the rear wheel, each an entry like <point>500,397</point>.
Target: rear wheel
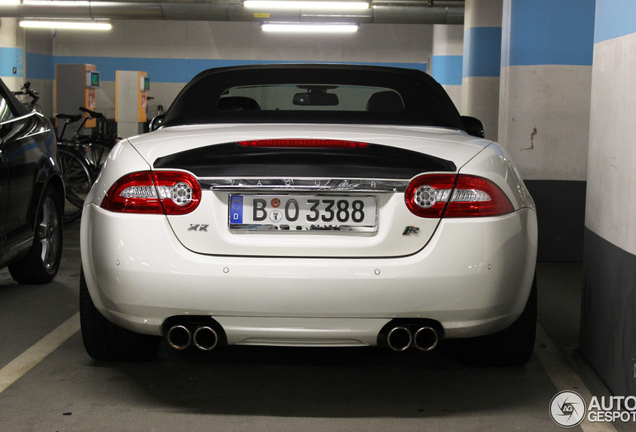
<point>104,340</point>
<point>510,347</point>
<point>42,262</point>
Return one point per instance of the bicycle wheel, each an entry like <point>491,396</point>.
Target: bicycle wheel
<point>78,180</point>
<point>97,153</point>
<point>96,149</point>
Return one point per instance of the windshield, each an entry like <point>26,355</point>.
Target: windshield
<point>313,94</point>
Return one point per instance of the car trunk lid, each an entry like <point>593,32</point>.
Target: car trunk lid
<point>340,196</point>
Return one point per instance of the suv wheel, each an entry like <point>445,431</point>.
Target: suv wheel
<point>42,262</point>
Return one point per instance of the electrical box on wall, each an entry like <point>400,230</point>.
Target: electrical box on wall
<point>92,79</point>
<point>144,83</point>
<point>76,85</point>
<point>132,102</point>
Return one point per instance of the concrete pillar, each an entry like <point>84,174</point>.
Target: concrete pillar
<point>11,53</point>
<point>482,63</point>
<point>544,109</point>
<point>39,67</point>
<point>608,319</point>
<point>446,63</point>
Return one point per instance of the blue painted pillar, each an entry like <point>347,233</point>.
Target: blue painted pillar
<point>11,53</point>
<point>544,111</point>
<point>608,319</point>
<point>446,62</point>
<point>482,63</point>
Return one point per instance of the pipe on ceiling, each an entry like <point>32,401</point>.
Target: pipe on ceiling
<point>383,11</point>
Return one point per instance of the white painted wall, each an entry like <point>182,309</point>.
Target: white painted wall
<point>611,186</point>
<point>11,37</point>
<point>40,42</point>
<point>480,94</point>
<point>480,99</point>
<point>544,119</point>
<point>448,41</point>
<point>483,13</point>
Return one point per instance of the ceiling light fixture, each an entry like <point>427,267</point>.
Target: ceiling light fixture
<point>57,3</point>
<point>70,25</point>
<point>309,28</point>
<point>292,4</point>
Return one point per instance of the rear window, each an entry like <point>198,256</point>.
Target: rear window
<point>303,97</point>
<point>313,94</point>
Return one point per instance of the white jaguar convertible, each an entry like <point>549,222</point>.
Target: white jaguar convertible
<point>310,206</point>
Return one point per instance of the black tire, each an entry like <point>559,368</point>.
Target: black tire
<point>42,262</point>
<point>510,347</point>
<point>78,179</point>
<point>104,340</point>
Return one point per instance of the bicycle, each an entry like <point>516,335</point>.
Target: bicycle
<point>81,158</point>
<point>28,93</point>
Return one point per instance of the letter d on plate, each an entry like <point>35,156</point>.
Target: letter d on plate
<point>236,209</point>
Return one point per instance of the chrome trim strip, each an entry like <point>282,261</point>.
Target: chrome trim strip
<point>275,228</point>
<point>19,118</point>
<point>303,184</point>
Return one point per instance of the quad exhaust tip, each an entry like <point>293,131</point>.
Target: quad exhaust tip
<point>181,337</point>
<point>205,338</point>
<point>425,339</point>
<point>400,338</point>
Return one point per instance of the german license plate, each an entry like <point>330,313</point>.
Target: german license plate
<point>303,213</point>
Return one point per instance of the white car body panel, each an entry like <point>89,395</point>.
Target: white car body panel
<point>469,276</point>
<point>139,274</point>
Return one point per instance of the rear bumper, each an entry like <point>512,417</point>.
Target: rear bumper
<point>473,278</point>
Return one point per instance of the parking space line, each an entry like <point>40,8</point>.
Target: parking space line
<point>564,377</point>
<point>34,355</point>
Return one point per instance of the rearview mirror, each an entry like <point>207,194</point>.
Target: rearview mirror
<point>316,97</point>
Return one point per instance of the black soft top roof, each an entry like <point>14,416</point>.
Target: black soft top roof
<point>425,101</point>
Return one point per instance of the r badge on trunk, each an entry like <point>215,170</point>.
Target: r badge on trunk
<point>410,230</point>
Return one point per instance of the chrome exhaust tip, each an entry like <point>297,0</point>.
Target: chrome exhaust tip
<point>179,337</point>
<point>399,338</point>
<point>425,339</point>
<point>205,338</point>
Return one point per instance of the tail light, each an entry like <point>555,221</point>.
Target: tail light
<point>451,196</point>
<point>304,143</point>
<point>160,192</point>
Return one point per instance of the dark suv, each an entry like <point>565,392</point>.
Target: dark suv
<point>31,193</point>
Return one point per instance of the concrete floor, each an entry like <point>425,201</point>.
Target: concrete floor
<point>276,389</point>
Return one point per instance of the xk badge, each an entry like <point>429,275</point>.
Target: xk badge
<point>410,230</point>
<point>198,227</point>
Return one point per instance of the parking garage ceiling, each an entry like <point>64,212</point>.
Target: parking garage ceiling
<point>379,12</point>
